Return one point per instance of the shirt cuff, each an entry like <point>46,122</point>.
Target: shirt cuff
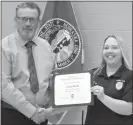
<point>15,98</point>
<point>27,109</point>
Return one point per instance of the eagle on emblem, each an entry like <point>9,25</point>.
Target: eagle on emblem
<point>62,45</point>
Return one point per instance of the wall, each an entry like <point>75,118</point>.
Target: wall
<point>96,21</point>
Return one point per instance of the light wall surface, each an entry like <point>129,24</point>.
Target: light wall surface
<point>96,20</point>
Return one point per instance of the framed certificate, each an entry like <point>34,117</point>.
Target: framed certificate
<point>72,89</point>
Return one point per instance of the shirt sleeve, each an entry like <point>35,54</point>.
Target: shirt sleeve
<point>128,89</point>
<point>10,94</point>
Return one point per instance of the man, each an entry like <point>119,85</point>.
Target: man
<point>27,63</point>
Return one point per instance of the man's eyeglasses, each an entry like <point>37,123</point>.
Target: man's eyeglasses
<point>24,19</point>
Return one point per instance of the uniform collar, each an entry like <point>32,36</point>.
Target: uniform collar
<point>117,74</point>
<point>22,42</point>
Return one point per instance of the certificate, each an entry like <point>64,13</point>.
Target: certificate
<point>72,89</point>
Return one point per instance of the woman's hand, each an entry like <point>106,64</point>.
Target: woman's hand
<point>98,91</point>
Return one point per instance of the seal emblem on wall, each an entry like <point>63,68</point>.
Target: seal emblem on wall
<point>64,40</point>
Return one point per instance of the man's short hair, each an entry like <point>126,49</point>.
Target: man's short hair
<point>30,5</point>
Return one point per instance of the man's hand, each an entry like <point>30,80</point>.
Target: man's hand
<point>39,116</point>
<point>48,111</point>
<point>52,111</point>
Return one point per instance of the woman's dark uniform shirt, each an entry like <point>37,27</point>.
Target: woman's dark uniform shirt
<point>117,86</point>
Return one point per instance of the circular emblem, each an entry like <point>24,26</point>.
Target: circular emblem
<point>64,40</point>
<point>119,85</point>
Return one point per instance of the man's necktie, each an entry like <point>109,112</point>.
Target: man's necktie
<point>31,65</point>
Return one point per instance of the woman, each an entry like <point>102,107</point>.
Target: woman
<point>112,86</point>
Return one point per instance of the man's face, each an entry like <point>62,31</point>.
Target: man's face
<point>27,22</point>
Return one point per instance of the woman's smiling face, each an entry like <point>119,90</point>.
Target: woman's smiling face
<point>111,52</point>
